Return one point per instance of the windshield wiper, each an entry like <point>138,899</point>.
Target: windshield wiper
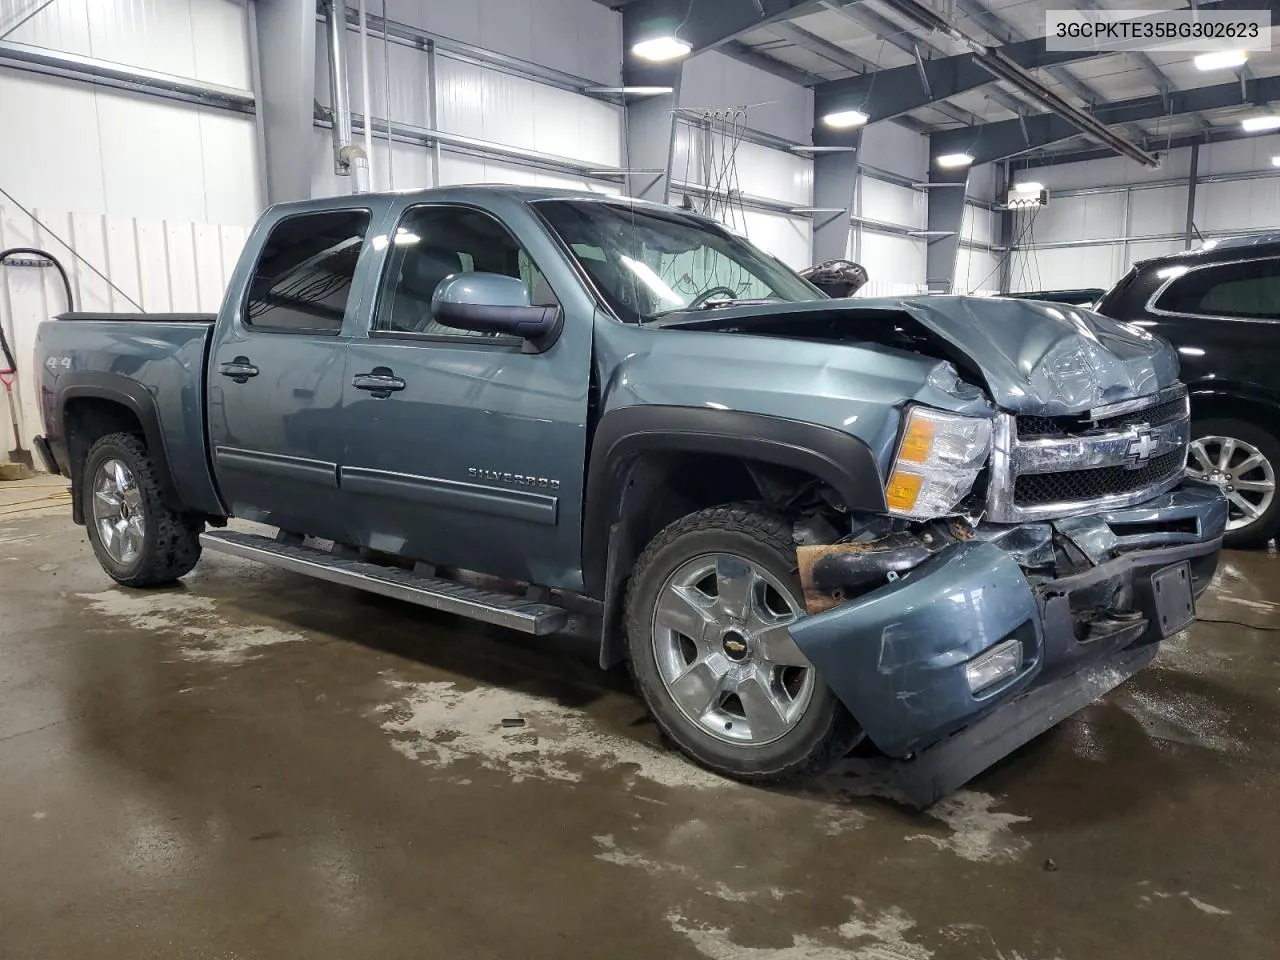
<point>735,302</point>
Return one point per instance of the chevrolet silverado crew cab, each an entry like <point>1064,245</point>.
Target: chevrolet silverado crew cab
<point>929,528</point>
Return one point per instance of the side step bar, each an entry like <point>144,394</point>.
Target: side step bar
<point>437,593</point>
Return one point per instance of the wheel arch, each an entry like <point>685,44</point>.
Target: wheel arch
<point>634,487</point>
<point>1235,402</point>
<point>96,404</point>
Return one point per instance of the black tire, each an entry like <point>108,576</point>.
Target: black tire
<point>1266,526</point>
<point>824,733</point>
<point>171,540</point>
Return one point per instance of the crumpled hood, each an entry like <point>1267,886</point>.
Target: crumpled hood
<point>1039,358</point>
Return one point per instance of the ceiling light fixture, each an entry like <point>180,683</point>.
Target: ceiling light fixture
<point>661,49</point>
<point>952,160</point>
<point>1258,124</point>
<point>1028,186</point>
<point>845,119</point>
<point>1221,60</point>
<point>632,91</point>
<point>1275,161</point>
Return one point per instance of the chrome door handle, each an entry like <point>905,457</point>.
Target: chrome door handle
<point>380,381</point>
<point>240,370</point>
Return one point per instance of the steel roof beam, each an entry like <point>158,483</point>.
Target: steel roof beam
<point>888,31</point>
<point>1010,138</point>
<point>893,92</point>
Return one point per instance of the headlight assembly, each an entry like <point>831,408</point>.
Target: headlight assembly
<point>939,458</point>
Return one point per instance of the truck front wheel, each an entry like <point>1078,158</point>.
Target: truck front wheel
<point>708,611</point>
<point>138,540</point>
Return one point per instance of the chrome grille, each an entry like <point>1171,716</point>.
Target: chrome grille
<point>1110,457</point>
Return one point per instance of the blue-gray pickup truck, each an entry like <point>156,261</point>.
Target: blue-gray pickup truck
<point>920,530</point>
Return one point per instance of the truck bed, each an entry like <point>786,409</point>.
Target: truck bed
<point>205,318</point>
<point>152,364</point>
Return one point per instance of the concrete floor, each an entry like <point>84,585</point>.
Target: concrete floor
<point>255,765</point>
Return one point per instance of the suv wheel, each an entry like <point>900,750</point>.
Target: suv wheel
<point>138,540</point>
<point>708,609</point>
<point>1242,459</point>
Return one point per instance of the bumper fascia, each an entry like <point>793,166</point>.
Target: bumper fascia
<point>895,656</point>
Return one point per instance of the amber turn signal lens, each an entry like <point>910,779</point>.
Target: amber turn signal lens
<point>903,489</point>
<point>917,441</point>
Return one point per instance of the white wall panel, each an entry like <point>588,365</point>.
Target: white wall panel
<point>164,265</point>
<point>1145,250</point>
<point>978,225</point>
<point>714,81</point>
<point>895,265</point>
<point>1089,217</point>
<point>580,37</point>
<point>1238,156</point>
<point>977,271</point>
<point>107,151</point>
<point>1110,171</point>
<point>459,168</point>
<point>475,101</point>
<point>890,203</point>
<point>1239,205</point>
<point>204,39</point>
<point>774,174</point>
<point>790,239</point>
<point>1157,211</point>
<point>897,149</point>
<point>1098,265</point>
<point>686,153</point>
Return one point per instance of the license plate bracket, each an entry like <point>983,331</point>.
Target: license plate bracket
<point>1174,600</point>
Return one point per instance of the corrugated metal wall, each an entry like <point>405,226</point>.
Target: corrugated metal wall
<point>164,265</point>
<point>156,194</point>
<point>482,102</point>
<point>1105,215</point>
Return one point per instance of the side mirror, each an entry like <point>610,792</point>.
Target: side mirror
<point>492,303</point>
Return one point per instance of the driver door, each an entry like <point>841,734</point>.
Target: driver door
<point>475,458</point>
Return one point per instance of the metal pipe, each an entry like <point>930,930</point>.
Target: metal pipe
<point>365,89</point>
<point>1191,195</point>
<point>386,83</point>
<point>349,160</point>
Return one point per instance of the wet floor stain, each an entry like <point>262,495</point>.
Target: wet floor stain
<point>255,765</point>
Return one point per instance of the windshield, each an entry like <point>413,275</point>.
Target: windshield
<point>646,263</point>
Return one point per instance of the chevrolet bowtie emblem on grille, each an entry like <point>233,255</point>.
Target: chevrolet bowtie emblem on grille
<point>1141,447</point>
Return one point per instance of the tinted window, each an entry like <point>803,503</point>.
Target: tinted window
<point>303,277</point>
<point>1250,289</point>
<point>434,242</point>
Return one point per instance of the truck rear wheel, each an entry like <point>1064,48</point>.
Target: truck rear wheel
<point>708,609</point>
<point>138,540</point>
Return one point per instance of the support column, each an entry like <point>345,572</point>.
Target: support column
<point>946,217</point>
<point>1006,228</point>
<point>286,97</point>
<point>1191,196</point>
<point>650,124</point>
<point>835,186</point>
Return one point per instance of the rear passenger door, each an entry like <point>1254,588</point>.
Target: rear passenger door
<point>276,374</point>
<point>475,458</point>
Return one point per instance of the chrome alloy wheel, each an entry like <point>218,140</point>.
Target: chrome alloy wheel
<point>724,652</point>
<point>1246,476</point>
<point>117,511</point>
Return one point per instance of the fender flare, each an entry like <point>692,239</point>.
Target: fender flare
<point>840,459</point>
<point>133,396</point>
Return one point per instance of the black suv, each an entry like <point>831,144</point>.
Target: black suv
<point>1220,306</point>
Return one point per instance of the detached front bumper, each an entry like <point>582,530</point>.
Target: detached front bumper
<point>896,655</point>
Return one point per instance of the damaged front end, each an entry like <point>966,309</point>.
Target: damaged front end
<point>952,644</point>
